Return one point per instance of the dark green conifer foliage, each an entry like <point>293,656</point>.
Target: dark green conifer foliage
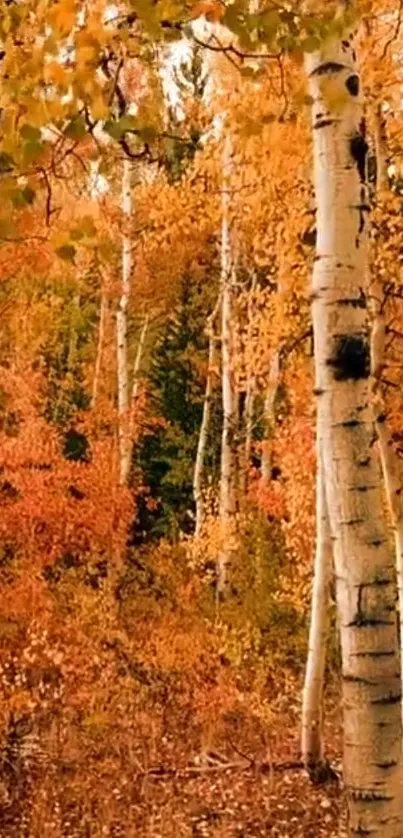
<point>184,134</point>
<point>167,456</point>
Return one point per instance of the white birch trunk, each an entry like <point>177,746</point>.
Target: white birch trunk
<point>365,581</point>
<point>204,429</point>
<point>270,398</point>
<point>138,358</point>
<point>394,489</point>
<point>389,459</point>
<point>202,441</point>
<point>135,382</point>
<point>121,330</point>
<point>312,700</point>
<point>249,400</point>
<point>73,338</point>
<point>98,359</point>
<point>380,150</point>
<point>249,412</point>
<point>229,401</point>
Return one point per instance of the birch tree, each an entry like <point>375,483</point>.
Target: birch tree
<point>205,425</point>
<point>227,508</point>
<point>121,329</point>
<point>138,358</point>
<point>389,460</point>
<point>249,396</point>
<point>272,386</point>
<point>312,747</point>
<point>365,581</point>
<point>269,418</point>
<point>100,343</point>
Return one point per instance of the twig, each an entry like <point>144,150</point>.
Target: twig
<point>162,773</point>
<point>241,754</point>
<point>264,767</point>
<point>231,49</point>
<point>396,32</point>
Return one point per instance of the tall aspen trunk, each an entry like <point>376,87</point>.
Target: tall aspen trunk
<point>389,459</point>
<point>249,412</point>
<point>204,428</point>
<point>269,402</point>
<point>121,330</point>
<point>249,400</point>
<point>138,359</point>
<point>98,359</point>
<point>365,576</point>
<point>380,149</point>
<point>312,700</point>
<point>394,489</point>
<point>135,382</point>
<point>228,442</point>
<point>73,339</point>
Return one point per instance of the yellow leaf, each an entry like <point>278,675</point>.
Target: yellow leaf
<point>65,16</point>
<point>99,108</point>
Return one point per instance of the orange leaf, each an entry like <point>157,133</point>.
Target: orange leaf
<point>209,9</point>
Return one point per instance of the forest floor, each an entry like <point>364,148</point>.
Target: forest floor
<point>248,782</point>
<point>238,797</point>
<point>239,803</point>
<point>232,798</point>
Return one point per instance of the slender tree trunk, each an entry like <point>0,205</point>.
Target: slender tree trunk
<point>73,338</point>
<point>204,428</point>
<point>135,381</point>
<point>138,358</point>
<point>249,399</point>
<point>365,577</point>
<point>249,413</point>
<point>229,401</point>
<point>394,489</point>
<point>100,344</point>
<point>312,702</point>
<point>380,149</point>
<point>121,330</point>
<point>269,402</point>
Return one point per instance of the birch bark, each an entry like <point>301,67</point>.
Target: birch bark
<point>389,460</point>
<point>365,580</point>
<point>249,399</point>
<point>312,700</point>
<point>98,359</point>
<point>249,411</point>
<point>228,442</point>
<point>121,330</point>
<point>138,358</point>
<point>73,339</point>
<point>269,402</point>
<point>204,427</point>
<point>380,150</point>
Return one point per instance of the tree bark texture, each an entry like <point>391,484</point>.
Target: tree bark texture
<point>249,400</point>
<point>227,509</point>
<point>365,574</point>
<point>312,748</point>
<point>100,344</point>
<point>204,427</point>
<point>121,330</point>
<point>269,418</point>
<point>389,458</point>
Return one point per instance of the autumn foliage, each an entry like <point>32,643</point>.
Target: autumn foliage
<point>118,667</point>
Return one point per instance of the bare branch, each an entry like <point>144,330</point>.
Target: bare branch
<point>396,32</point>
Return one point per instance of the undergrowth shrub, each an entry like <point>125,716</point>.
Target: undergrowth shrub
<point>114,660</point>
